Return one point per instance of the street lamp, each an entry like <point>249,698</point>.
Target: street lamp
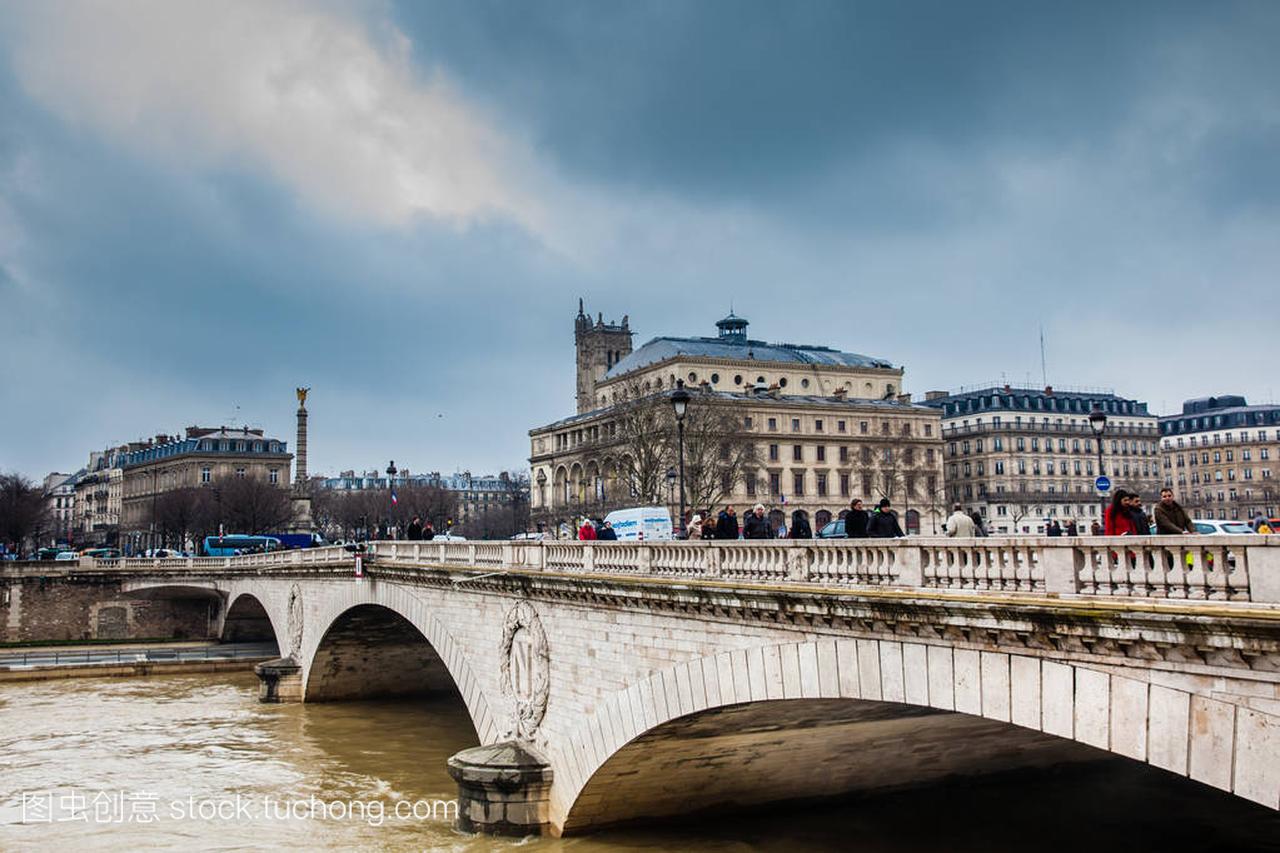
<point>671,488</point>
<point>680,402</point>
<point>1098,423</point>
<point>391,490</point>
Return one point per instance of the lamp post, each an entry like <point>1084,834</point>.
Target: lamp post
<point>671,488</point>
<point>1098,423</point>
<point>680,402</point>
<point>391,492</point>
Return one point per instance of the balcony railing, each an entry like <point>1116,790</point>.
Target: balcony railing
<point>949,430</point>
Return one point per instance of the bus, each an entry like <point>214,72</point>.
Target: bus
<point>238,543</point>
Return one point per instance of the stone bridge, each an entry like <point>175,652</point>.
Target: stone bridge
<point>613,681</point>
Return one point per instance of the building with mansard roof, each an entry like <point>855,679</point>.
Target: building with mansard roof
<point>827,425</point>
<point>1023,457</point>
<point>1220,457</point>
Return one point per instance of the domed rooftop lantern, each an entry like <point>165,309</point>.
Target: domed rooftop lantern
<point>733,329</point>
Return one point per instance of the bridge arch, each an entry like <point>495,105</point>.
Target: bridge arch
<point>766,689</point>
<point>247,619</point>
<point>399,616</point>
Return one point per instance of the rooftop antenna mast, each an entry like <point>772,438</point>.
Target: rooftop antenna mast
<point>1044,372</point>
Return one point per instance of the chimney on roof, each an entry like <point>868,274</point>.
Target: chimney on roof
<point>904,398</point>
<point>1007,388</point>
<point>1048,390</point>
<point>935,395</point>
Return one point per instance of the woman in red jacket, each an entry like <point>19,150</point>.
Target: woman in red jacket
<point>1117,520</point>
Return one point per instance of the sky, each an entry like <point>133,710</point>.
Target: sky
<point>205,205</point>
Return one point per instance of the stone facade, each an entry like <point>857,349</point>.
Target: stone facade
<point>643,674</point>
<point>1024,456</point>
<point>1222,458</point>
<point>99,498</point>
<point>599,346</point>
<point>200,458</point>
<point>827,427</point>
<point>58,606</point>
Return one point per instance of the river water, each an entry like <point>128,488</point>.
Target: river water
<point>195,762</point>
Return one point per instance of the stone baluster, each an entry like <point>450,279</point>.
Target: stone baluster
<point>1059,570</point>
<point>910,564</point>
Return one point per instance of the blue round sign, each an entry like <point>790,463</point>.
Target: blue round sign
<point>1103,483</point>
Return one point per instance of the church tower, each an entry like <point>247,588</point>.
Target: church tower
<point>600,346</point>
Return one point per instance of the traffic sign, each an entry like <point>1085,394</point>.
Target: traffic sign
<point>1102,484</point>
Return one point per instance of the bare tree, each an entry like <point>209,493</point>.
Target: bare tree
<point>646,430</point>
<point>252,505</point>
<point>430,503</point>
<point>718,452</point>
<point>183,514</point>
<point>24,512</point>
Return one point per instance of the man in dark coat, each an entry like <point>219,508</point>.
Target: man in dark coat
<point>606,532</point>
<point>727,524</point>
<point>414,530</point>
<point>883,523</point>
<point>855,523</point>
<point>756,526</point>
<point>1171,519</point>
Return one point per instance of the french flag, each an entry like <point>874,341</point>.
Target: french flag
<point>394,499</point>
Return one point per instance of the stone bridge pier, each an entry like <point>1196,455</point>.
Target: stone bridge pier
<point>608,693</point>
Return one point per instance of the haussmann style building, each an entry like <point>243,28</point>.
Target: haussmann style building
<point>201,457</point>
<point>1022,457</point>
<point>826,425</point>
<point>1219,456</point>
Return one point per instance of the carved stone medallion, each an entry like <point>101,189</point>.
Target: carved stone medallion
<point>295,620</point>
<point>525,663</point>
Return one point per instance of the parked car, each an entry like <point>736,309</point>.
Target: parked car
<point>833,530</point>
<point>1213,527</point>
<point>101,553</point>
<point>66,556</point>
<point>530,537</point>
<point>449,537</point>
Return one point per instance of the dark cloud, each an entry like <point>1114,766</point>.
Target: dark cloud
<point>925,182</point>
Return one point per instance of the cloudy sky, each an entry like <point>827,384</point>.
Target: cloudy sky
<point>203,205</point>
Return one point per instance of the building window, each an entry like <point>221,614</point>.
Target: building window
<point>773,453</point>
<point>844,454</point>
<point>206,474</point>
<point>795,424</point>
<point>841,426</point>
<point>928,430</point>
<point>746,422</point>
<point>797,483</point>
<point>751,484</point>
<point>864,427</point>
<point>797,453</point>
<point>822,485</point>
<point>773,424</point>
<point>775,484</point>
<point>273,476</point>
<point>844,485</point>
<point>240,472</point>
<point>822,453</point>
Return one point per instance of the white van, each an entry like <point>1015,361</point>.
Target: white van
<point>641,523</point>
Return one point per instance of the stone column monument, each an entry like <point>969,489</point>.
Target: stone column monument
<point>302,521</point>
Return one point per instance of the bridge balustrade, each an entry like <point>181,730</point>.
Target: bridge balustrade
<point>1186,567</point>
<point>1221,568</point>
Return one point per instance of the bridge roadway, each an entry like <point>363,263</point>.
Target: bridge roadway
<point>614,681</point>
